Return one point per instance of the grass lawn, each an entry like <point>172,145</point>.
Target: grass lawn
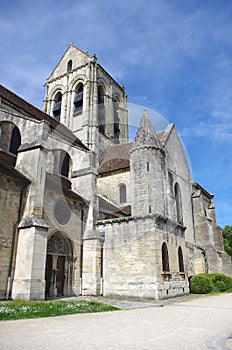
<point>15,310</point>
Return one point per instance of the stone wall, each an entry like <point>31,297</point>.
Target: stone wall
<point>178,171</point>
<point>71,229</point>
<point>133,258</point>
<point>10,194</point>
<point>108,186</point>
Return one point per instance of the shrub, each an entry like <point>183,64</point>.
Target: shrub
<point>219,286</point>
<point>218,277</point>
<point>207,283</point>
<point>200,284</point>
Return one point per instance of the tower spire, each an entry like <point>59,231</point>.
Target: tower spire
<point>146,134</point>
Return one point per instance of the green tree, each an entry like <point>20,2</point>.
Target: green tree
<point>227,236</point>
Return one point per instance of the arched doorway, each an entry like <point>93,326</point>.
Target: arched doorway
<point>59,266</point>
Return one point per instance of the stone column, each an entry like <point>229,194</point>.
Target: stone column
<point>84,182</point>
<point>29,278</point>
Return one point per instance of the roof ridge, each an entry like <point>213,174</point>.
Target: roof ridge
<point>38,114</point>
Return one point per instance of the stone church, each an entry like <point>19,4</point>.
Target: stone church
<point>85,211</point>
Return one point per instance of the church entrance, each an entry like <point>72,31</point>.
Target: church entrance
<point>59,267</point>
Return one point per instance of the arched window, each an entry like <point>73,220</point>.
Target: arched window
<point>58,245</point>
<point>101,111</point>
<point>15,141</point>
<point>116,121</point>
<point>165,258</point>
<point>10,138</point>
<point>57,106</point>
<point>69,66</point>
<point>78,100</point>
<point>179,214</point>
<point>65,163</point>
<point>122,193</point>
<point>181,260</point>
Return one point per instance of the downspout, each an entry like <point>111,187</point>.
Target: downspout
<point>102,241</point>
<point>81,248</point>
<point>194,231</point>
<point>206,262</point>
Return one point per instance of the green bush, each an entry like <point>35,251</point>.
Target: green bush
<point>219,286</point>
<point>207,283</point>
<point>218,277</point>
<point>200,284</point>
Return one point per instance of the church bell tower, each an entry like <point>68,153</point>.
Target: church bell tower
<point>84,97</point>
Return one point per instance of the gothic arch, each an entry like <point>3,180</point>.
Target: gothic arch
<point>80,79</point>
<point>59,265</point>
<point>59,243</point>
<point>57,105</point>
<point>10,137</point>
<point>165,258</point>
<point>15,141</point>
<point>117,97</point>
<point>101,109</point>
<point>62,163</point>
<point>122,194</point>
<point>180,260</point>
<point>69,65</point>
<point>57,88</point>
<point>102,83</point>
<point>116,129</point>
<point>78,98</point>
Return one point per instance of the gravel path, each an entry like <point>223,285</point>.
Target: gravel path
<point>127,304</point>
<point>180,324</point>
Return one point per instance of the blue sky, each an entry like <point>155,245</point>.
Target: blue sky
<point>173,56</point>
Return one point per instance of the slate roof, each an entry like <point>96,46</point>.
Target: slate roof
<point>118,151</point>
<point>117,157</point>
<point>20,104</point>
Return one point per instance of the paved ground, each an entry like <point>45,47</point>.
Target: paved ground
<point>193,324</point>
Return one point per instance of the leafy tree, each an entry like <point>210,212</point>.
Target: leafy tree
<point>227,236</point>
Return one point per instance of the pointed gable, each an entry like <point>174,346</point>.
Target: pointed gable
<point>146,135</point>
<point>74,54</point>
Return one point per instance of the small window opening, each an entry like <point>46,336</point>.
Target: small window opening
<point>15,140</point>
<point>116,122</point>
<point>57,106</point>
<point>78,101</point>
<point>64,164</point>
<point>69,66</point>
<point>122,193</point>
<point>149,209</point>
<point>101,111</point>
<point>181,260</point>
<point>165,258</point>
<point>148,166</point>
